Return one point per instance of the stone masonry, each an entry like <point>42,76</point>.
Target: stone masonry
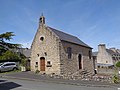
<point>49,47</point>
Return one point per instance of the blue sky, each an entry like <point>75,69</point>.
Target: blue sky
<point>92,21</point>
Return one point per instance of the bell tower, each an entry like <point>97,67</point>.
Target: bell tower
<point>42,20</point>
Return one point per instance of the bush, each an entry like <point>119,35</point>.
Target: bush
<point>9,56</point>
<point>115,79</point>
<point>118,64</point>
<point>23,62</point>
<point>28,68</point>
<point>37,71</point>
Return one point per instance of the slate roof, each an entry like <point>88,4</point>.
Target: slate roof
<point>111,52</point>
<point>25,51</point>
<point>69,38</point>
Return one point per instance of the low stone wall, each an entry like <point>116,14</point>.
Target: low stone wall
<point>101,78</point>
<point>105,71</point>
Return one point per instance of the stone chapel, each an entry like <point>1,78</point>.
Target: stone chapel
<point>56,52</point>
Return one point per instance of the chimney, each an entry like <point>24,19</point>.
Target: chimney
<point>101,47</point>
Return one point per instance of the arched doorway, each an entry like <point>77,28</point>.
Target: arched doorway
<point>42,64</point>
<point>80,61</point>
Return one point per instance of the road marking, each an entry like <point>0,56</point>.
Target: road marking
<point>118,88</point>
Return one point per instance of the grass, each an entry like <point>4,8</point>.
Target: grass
<point>10,72</point>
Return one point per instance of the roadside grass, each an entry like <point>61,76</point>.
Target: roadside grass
<point>10,72</point>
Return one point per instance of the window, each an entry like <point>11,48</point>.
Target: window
<point>45,53</point>
<point>6,64</point>
<point>36,64</point>
<point>38,55</point>
<point>110,67</point>
<point>106,61</point>
<point>9,64</point>
<point>69,51</point>
<point>12,64</point>
<point>113,58</point>
<point>41,38</point>
<point>49,64</point>
<point>89,54</point>
<point>98,66</point>
<point>116,58</point>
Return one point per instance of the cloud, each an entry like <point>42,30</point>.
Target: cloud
<point>26,45</point>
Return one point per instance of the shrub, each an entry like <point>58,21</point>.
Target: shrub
<point>37,71</point>
<point>115,79</point>
<point>118,64</point>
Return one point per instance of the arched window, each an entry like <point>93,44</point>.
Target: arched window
<point>69,51</point>
<point>89,54</point>
<point>80,61</point>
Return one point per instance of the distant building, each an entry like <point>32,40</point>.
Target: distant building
<point>54,51</point>
<point>27,53</point>
<point>24,51</point>
<point>105,59</point>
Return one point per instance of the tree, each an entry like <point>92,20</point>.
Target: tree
<point>6,49</point>
<point>9,56</point>
<point>5,45</point>
<point>6,36</point>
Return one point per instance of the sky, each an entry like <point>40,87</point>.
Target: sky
<point>92,21</point>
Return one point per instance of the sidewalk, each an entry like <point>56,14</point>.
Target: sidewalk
<point>43,78</point>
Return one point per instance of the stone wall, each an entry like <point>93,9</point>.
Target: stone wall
<point>70,66</point>
<point>104,59</point>
<point>103,56</point>
<point>105,70</point>
<point>55,51</point>
<point>47,48</point>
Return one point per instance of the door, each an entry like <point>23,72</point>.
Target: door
<point>42,64</point>
<point>80,61</point>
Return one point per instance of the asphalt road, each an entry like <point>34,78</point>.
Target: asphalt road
<point>16,84</point>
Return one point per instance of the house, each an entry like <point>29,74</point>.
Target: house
<point>105,59</point>
<point>27,53</point>
<point>56,52</point>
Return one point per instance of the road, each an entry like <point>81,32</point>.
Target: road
<point>16,84</point>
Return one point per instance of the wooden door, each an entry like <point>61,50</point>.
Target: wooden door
<point>42,64</point>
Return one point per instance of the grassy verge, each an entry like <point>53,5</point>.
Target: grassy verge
<point>10,72</point>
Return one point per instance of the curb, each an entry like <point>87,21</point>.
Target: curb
<point>66,83</point>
